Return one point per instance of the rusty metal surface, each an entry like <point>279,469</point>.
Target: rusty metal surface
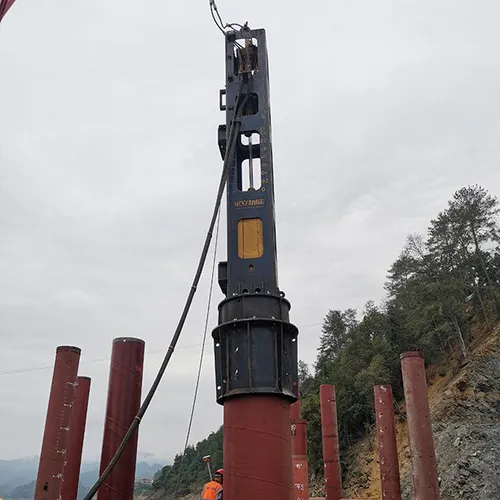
<point>77,423</point>
<point>386,440</point>
<point>423,456</point>
<point>300,478</point>
<point>5,5</point>
<point>299,460</point>
<point>295,410</point>
<point>55,437</point>
<point>299,453</point>
<point>329,432</point>
<point>299,438</point>
<point>124,398</point>
<point>257,448</point>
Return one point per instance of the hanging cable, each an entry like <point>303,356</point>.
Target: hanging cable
<point>234,130</point>
<point>195,396</point>
<point>214,11</point>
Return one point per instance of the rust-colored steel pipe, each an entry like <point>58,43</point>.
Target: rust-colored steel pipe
<point>423,456</point>
<point>386,439</point>
<point>124,399</point>
<point>55,437</point>
<point>299,453</point>
<point>257,448</point>
<point>77,423</point>
<point>330,435</point>
<point>295,413</point>
<point>5,5</point>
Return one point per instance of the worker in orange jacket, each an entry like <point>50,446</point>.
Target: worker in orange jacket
<point>213,489</point>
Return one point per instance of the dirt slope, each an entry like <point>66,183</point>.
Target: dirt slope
<point>465,411</point>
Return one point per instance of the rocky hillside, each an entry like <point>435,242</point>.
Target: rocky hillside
<point>465,410</point>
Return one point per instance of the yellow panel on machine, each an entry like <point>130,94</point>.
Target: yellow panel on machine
<point>250,239</point>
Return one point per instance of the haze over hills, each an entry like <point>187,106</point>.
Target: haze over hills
<point>17,476</point>
<point>17,472</point>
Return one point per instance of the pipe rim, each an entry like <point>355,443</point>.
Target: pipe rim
<point>128,339</point>
<point>68,348</point>
<point>300,421</point>
<point>411,354</point>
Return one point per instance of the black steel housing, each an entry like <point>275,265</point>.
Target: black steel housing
<point>255,344</point>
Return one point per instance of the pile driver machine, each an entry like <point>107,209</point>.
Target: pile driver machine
<point>255,344</point>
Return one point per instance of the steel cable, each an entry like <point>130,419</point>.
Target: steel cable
<point>195,396</point>
<point>214,11</point>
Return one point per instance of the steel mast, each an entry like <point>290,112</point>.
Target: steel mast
<point>255,343</point>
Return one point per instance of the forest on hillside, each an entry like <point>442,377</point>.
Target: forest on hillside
<point>442,284</point>
<point>189,472</point>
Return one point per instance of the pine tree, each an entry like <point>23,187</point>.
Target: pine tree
<point>337,326</point>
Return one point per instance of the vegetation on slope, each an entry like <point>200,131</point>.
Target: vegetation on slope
<point>440,284</point>
<point>464,400</point>
<point>436,288</point>
<point>189,472</point>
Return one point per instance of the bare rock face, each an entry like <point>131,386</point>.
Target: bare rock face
<point>466,426</point>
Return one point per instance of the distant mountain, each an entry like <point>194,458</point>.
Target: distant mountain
<point>28,491</point>
<point>17,477</point>
<point>24,491</point>
<point>143,470</point>
<point>16,472</point>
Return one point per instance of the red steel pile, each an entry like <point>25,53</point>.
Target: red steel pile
<point>423,457</point>
<point>63,438</point>
<point>61,455</point>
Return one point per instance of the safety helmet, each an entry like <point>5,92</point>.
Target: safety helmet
<point>219,472</point>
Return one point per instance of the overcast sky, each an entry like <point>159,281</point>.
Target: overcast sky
<point>109,166</point>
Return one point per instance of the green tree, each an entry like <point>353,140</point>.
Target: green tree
<point>474,213</point>
<point>335,332</point>
<point>188,472</point>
